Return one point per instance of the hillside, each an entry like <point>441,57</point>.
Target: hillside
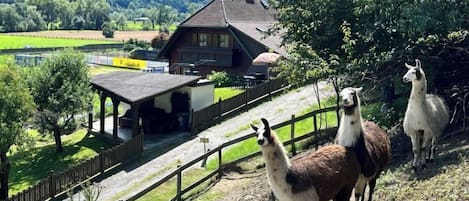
<point>446,179</point>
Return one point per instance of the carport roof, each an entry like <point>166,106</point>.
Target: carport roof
<point>136,87</point>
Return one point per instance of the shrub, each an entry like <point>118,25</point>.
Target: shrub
<point>221,79</point>
<point>108,32</point>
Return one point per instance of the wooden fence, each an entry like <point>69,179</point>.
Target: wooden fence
<point>60,182</point>
<point>318,135</point>
<point>202,118</point>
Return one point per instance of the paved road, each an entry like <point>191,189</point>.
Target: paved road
<point>135,178</point>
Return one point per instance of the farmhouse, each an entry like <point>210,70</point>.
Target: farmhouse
<point>156,102</point>
<point>224,35</point>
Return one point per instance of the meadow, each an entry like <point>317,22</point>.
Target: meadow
<point>11,42</point>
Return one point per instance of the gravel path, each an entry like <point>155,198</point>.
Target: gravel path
<point>126,182</point>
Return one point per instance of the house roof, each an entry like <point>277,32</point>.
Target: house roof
<point>219,13</point>
<point>135,87</point>
<point>246,20</point>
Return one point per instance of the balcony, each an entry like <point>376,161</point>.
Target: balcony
<point>222,56</point>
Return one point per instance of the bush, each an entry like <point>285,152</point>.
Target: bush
<point>108,32</point>
<point>221,79</point>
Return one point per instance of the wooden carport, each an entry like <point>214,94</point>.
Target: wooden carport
<point>134,88</point>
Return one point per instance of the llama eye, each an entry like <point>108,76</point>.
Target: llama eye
<point>413,72</point>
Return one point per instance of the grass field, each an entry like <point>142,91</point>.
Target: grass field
<point>10,42</point>
<point>34,164</point>
<point>225,93</point>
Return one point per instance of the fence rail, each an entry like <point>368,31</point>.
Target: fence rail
<point>202,118</point>
<point>319,135</point>
<point>60,182</point>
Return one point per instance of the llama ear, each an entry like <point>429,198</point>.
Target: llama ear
<point>265,122</point>
<point>418,64</point>
<point>358,90</point>
<point>254,127</point>
<point>408,66</point>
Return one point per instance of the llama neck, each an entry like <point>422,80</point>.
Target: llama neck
<point>350,128</point>
<point>419,90</point>
<point>276,162</point>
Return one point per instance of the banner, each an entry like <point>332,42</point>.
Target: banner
<point>129,63</point>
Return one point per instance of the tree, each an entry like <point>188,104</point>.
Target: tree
<point>16,105</point>
<point>365,41</point>
<point>62,91</point>
<point>121,22</point>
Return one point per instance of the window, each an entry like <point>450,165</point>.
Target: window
<point>223,40</point>
<point>203,41</point>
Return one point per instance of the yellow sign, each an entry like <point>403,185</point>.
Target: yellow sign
<point>129,63</point>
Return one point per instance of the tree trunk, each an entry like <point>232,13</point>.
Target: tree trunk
<point>58,141</point>
<point>4,172</point>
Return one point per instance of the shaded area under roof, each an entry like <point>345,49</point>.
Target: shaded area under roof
<point>135,87</point>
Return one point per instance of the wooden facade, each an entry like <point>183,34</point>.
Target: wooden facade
<point>222,36</point>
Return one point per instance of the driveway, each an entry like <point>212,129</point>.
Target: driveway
<point>136,177</point>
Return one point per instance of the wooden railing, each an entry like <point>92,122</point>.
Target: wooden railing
<point>318,135</point>
<point>60,182</point>
<point>204,117</point>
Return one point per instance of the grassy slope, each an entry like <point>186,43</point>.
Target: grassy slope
<point>7,42</point>
<point>167,190</point>
<point>34,164</point>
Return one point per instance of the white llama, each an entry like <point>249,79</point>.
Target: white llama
<point>329,173</point>
<point>426,117</point>
<point>368,140</point>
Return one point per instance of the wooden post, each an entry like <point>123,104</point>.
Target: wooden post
<point>269,89</point>
<point>246,96</point>
<point>101,160</point>
<point>90,118</point>
<point>315,129</point>
<point>219,108</point>
<point>103,112</point>
<point>51,184</point>
<point>115,107</point>
<point>179,184</point>
<point>219,164</point>
<point>292,135</point>
<point>135,119</point>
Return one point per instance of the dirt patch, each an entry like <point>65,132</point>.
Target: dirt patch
<point>89,34</point>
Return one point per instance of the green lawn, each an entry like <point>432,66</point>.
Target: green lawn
<point>34,164</point>
<point>138,26</point>
<point>10,42</point>
<point>225,93</point>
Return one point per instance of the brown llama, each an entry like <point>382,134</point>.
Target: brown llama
<point>328,173</point>
<point>370,142</point>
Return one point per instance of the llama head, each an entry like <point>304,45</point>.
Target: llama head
<point>415,73</point>
<point>349,96</point>
<point>264,135</point>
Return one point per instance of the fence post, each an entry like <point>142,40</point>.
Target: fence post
<point>269,91</point>
<point>219,164</point>
<point>219,108</point>
<point>315,129</point>
<point>179,184</point>
<point>292,135</point>
<point>246,96</point>
<point>51,184</point>
<point>101,161</point>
